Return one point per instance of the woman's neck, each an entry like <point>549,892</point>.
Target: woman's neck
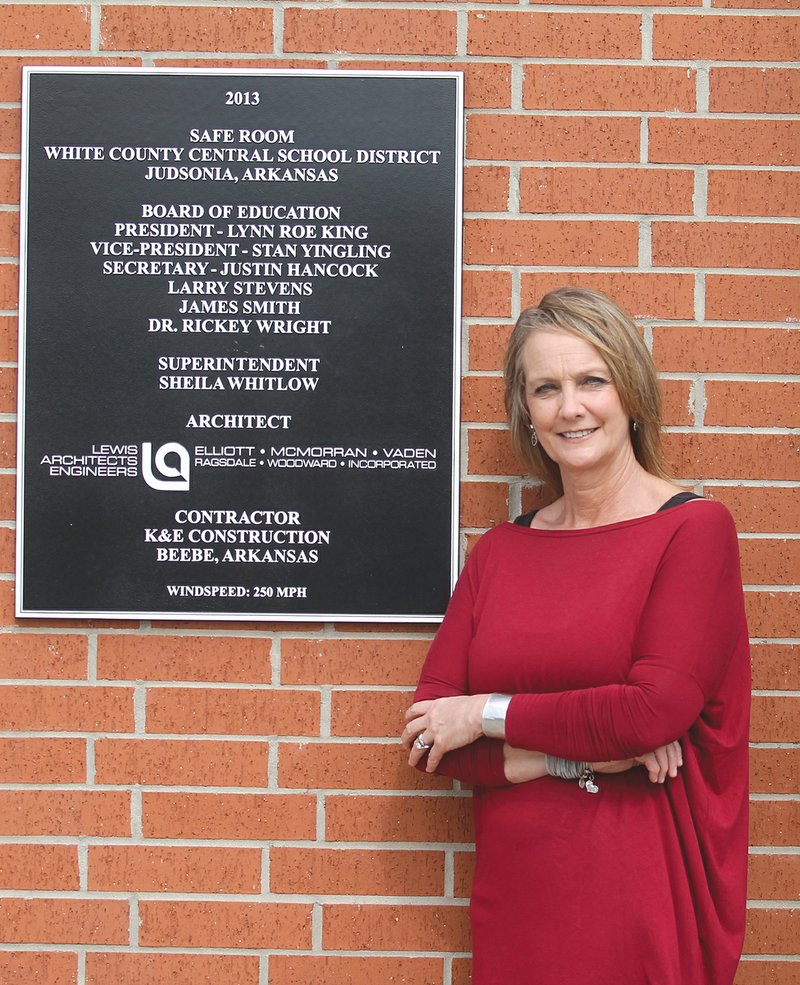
<point>592,501</point>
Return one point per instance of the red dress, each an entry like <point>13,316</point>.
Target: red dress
<point>614,640</point>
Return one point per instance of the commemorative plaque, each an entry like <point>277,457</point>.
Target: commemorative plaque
<point>239,313</point>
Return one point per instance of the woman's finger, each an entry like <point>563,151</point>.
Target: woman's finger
<point>417,709</point>
<point>675,756</point>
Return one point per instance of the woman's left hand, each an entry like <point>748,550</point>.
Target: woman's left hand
<point>444,724</point>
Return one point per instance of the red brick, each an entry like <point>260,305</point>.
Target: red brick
<point>342,661</point>
<point>762,404</point>
<point>774,771</point>
<point>27,967</point>
<point>757,509</point>
<point>640,88</point>
<point>482,399</point>
<point>715,141</point>
<point>487,85</point>
<point>730,38</point>
<point>385,818</point>
<point>176,762</point>
<point>10,131</point>
<point>8,439</point>
<point>772,931</point>
<point>371,32</point>
<point>331,765</point>
<point>64,921</point>
<point>750,192</point>
<point>184,658</point>
<point>486,294</point>
<point>356,872</point>
<point>172,969</point>
<point>754,90</point>
<point>757,5</point>
<point>386,628</point>
<point>772,614</point>
<point>462,967</point>
<point>775,718</point>
<point>66,708</point>
<point>238,63</point>
<point>215,924</point>
<point>734,456</point>
<point>9,234</point>
<point>641,295</point>
<point>485,189</point>
<point>7,544</point>
<point>776,666</point>
<point>129,28</point>
<point>487,346</point>
<point>369,713</point>
<point>38,867</point>
<point>766,972</point>
<point>160,869</point>
<point>9,279</point>
<point>535,497</point>
<point>677,409</point>
<point>770,562</point>
<point>463,872</point>
<point>395,928</point>
<point>11,69</point>
<point>290,969</point>
<point>554,35</point>
<point>29,655</point>
<point>65,813</point>
<point>34,26</point>
<point>8,386</point>
<point>483,504</point>
<point>732,349</point>
<point>489,453</point>
<point>223,628</point>
<point>9,181</point>
<point>249,817</point>
<point>42,760</point>
<point>8,338</point>
<point>641,191</point>
<point>225,711</point>
<point>725,244</point>
<point>545,243</point>
<point>758,297</point>
<point>492,137</point>
<point>774,822</point>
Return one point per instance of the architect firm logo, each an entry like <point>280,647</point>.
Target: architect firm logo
<point>171,477</point>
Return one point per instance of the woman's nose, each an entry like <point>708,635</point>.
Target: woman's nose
<point>571,404</point>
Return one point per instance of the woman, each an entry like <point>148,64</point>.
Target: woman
<point>602,631</point>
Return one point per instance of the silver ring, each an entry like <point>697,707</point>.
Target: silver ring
<point>420,743</point>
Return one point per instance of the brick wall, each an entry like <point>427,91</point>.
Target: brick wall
<point>227,803</point>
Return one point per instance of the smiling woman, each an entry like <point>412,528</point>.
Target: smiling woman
<point>613,345</point>
<point>600,634</point>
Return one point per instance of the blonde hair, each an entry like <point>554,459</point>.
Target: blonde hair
<point>597,319</point>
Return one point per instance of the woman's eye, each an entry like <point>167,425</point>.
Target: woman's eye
<point>595,380</point>
<point>544,388</point>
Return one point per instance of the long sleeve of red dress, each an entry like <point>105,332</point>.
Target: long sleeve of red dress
<point>613,640</point>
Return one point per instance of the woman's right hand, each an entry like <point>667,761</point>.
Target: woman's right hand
<point>662,762</point>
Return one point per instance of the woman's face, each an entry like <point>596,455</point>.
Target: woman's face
<point>573,403</point>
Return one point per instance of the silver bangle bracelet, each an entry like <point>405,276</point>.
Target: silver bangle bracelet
<point>493,719</point>
<point>568,769</point>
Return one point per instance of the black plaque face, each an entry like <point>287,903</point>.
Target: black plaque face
<point>238,360</point>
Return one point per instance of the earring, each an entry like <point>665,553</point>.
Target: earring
<point>534,436</point>
<point>635,426</point>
